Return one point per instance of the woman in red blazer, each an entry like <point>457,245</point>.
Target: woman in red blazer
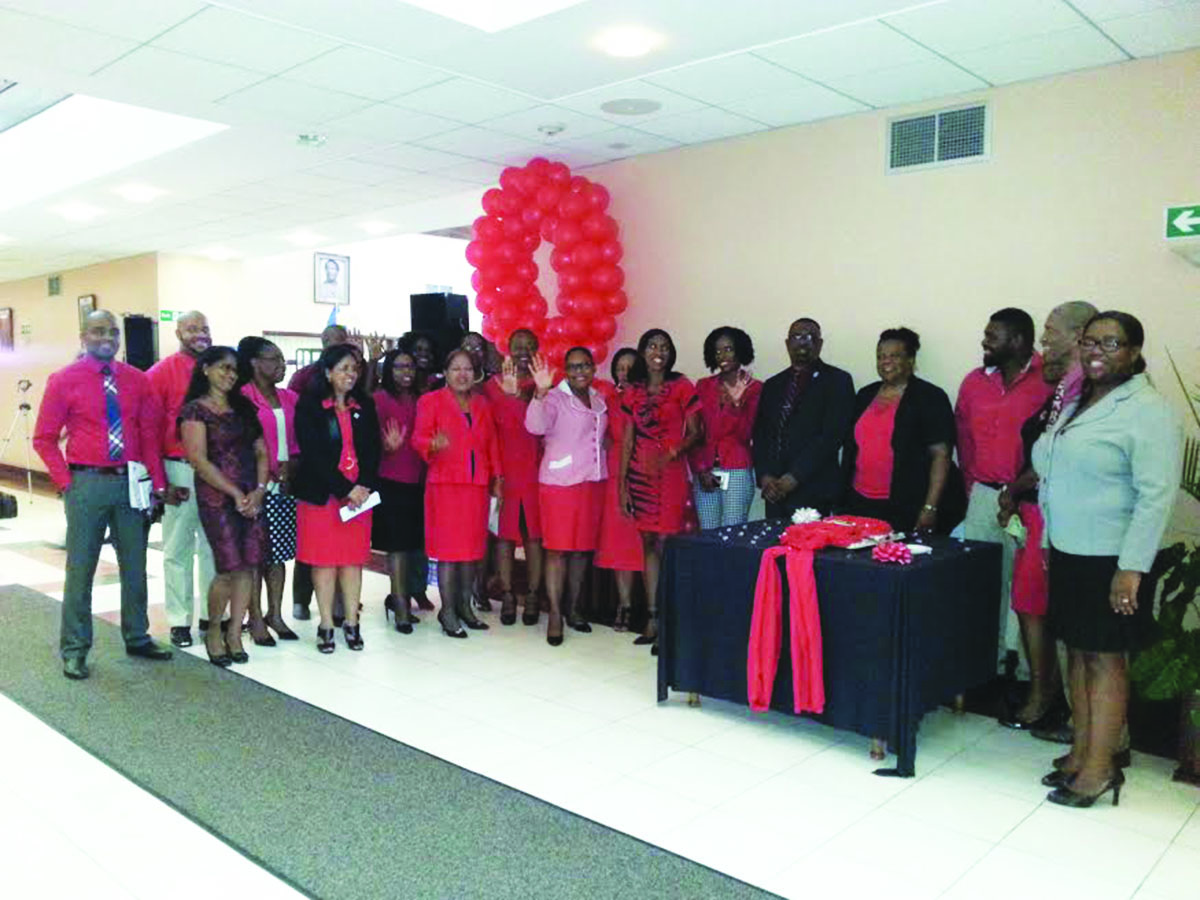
<point>456,436</point>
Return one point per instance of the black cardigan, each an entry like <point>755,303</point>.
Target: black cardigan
<point>320,439</point>
<point>923,418</point>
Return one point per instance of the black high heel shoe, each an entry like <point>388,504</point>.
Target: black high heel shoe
<point>283,632</point>
<point>390,606</point>
<point>474,624</point>
<point>1066,796</point>
<point>580,624</point>
<point>460,633</point>
<point>1054,716</point>
<point>621,622</point>
<point>423,602</point>
<point>555,640</point>
<point>532,612</point>
<point>221,660</point>
<point>404,617</point>
<point>325,640</point>
<point>508,608</point>
<point>1058,778</point>
<point>353,636</point>
<point>1122,759</point>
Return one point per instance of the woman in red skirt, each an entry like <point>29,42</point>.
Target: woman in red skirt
<point>455,435</point>
<point>338,433</point>
<point>620,544</point>
<point>573,419</point>
<point>665,424</point>
<point>520,452</point>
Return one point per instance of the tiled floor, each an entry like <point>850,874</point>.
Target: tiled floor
<point>783,803</point>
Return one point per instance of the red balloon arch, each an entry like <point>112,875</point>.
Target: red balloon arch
<point>544,201</point>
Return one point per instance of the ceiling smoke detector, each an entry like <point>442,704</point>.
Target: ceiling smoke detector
<point>630,106</point>
<point>552,129</point>
<point>310,139</point>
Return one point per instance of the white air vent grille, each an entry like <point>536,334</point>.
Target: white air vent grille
<point>946,136</point>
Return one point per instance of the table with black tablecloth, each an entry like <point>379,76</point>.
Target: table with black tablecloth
<point>898,640</point>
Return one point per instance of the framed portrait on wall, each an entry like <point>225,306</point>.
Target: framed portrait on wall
<point>6,328</point>
<point>331,279</point>
<point>87,306</point>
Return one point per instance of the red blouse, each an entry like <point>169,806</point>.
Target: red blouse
<point>873,465</point>
<point>727,426</point>
<point>520,451</point>
<point>473,454</point>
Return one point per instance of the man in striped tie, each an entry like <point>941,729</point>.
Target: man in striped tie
<point>109,418</point>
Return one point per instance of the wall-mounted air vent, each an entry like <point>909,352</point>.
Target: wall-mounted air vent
<point>942,137</point>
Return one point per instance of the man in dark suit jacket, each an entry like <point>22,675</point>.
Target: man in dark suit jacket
<point>803,417</point>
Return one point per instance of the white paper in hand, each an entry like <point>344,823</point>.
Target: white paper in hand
<point>347,513</point>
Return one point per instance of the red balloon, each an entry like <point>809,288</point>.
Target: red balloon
<point>508,253</point>
<point>531,218</point>
<point>565,304</point>
<point>514,288</point>
<point>607,278</point>
<point>489,329</point>
<point>548,196</point>
<point>526,270</point>
<point>539,166</point>
<point>554,328</point>
<point>486,228</point>
<point>604,328</point>
<point>478,253</point>
<point>558,174</point>
<point>571,281</point>
<point>567,234</point>
<point>599,227</point>
<point>572,206</point>
<point>477,281</point>
<point>586,255</point>
<point>577,184</point>
<point>536,306</point>
<point>574,329</point>
<point>597,196</point>
<point>485,301</point>
<point>587,305</point>
<point>611,252</point>
<point>615,303</point>
<point>529,241</point>
<point>546,229</point>
<point>508,179</point>
<point>491,201</point>
<point>512,227</point>
<point>527,183</point>
<point>510,203</point>
<point>560,259</point>
<point>492,273</point>
<point>599,351</point>
<point>505,315</point>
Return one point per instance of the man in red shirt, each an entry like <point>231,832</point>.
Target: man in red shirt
<point>993,403</point>
<point>183,538</point>
<point>109,417</point>
<point>330,337</point>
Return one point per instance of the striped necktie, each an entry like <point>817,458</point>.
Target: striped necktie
<point>116,438</point>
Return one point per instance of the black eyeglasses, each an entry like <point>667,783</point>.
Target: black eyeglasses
<point>1107,344</point>
<point>803,338</point>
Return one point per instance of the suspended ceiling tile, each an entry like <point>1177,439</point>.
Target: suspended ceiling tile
<point>466,101</point>
<point>618,143</point>
<point>730,78</point>
<point>366,73</point>
<point>283,100</point>
<point>1099,10</point>
<point>307,184</point>
<point>55,45</point>
<point>384,122</point>
<point>139,20</point>
<point>962,25</point>
<point>866,47</point>
<point>808,104</point>
<point>473,171</point>
<point>354,171</point>
<point>908,84</point>
<point>1063,51</point>
<point>235,39</point>
<point>149,70</point>
<point>671,103</point>
<point>477,143</point>
<point>413,158</point>
<point>527,123</point>
<point>1163,30</point>
<point>703,125</point>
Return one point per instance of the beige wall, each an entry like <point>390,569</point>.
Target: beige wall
<point>122,286</point>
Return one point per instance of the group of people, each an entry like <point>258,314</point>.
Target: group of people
<point>1071,449</point>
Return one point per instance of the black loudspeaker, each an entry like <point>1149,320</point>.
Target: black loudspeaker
<point>442,315</point>
<point>141,341</point>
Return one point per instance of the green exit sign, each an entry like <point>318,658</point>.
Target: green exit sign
<point>1183,221</point>
<point>166,315</point>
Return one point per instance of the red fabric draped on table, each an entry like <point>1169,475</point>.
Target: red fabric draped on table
<point>796,545</point>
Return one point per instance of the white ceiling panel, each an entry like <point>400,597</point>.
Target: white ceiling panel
<point>908,84</point>
<point>149,70</point>
<point>618,143</point>
<point>866,47</point>
<point>1063,51</point>
<point>962,25</point>
<point>792,107</point>
<point>703,125</point>
<point>730,78</point>
<point>527,123</point>
<point>478,143</point>
<point>589,103</point>
<point>223,35</point>
<point>354,171</point>
<point>233,202</point>
<point>1163,30</point>
<point>55,45</point>
<point>306,184</point>
<point>390,124</point>
<point>366,73</point>
<point>411,158</point>
<point>473,171</point>
<point>282,100</point>
<point>139,20</point>
<point>466,101</point>
<point>1099,10</point>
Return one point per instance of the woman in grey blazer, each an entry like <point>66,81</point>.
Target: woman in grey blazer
<point>1109,472</point>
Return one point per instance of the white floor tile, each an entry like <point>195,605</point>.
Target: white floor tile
<point>1177,875</point>
<point>1005,873</point>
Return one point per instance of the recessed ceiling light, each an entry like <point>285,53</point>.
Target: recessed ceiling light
<point>83,138</point>
<point>304,238</point>
<point>139,193</point>
<point>488,15</point>
<point>627,41</point>
<point>630,106</point>
<point>220,254</point>
<point>310,140</point>
<point>78,212</point>
<point>552,129</point>
<point>375,228</point>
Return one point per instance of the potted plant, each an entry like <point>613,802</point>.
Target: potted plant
<point>1170,668</point>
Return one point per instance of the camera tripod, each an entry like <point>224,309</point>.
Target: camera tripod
<point>22,417</point>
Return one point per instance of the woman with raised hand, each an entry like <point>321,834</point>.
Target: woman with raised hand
<point>455,435</point>
<point>221,434</point>
<point>338,432</point>
<point>665,425</point>
<point>398,526</point>
<point>573,420</point>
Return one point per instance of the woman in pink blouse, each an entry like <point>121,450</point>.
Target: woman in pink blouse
<point>398,528</point>
<point>722,464</point>
<point>573,420</point>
